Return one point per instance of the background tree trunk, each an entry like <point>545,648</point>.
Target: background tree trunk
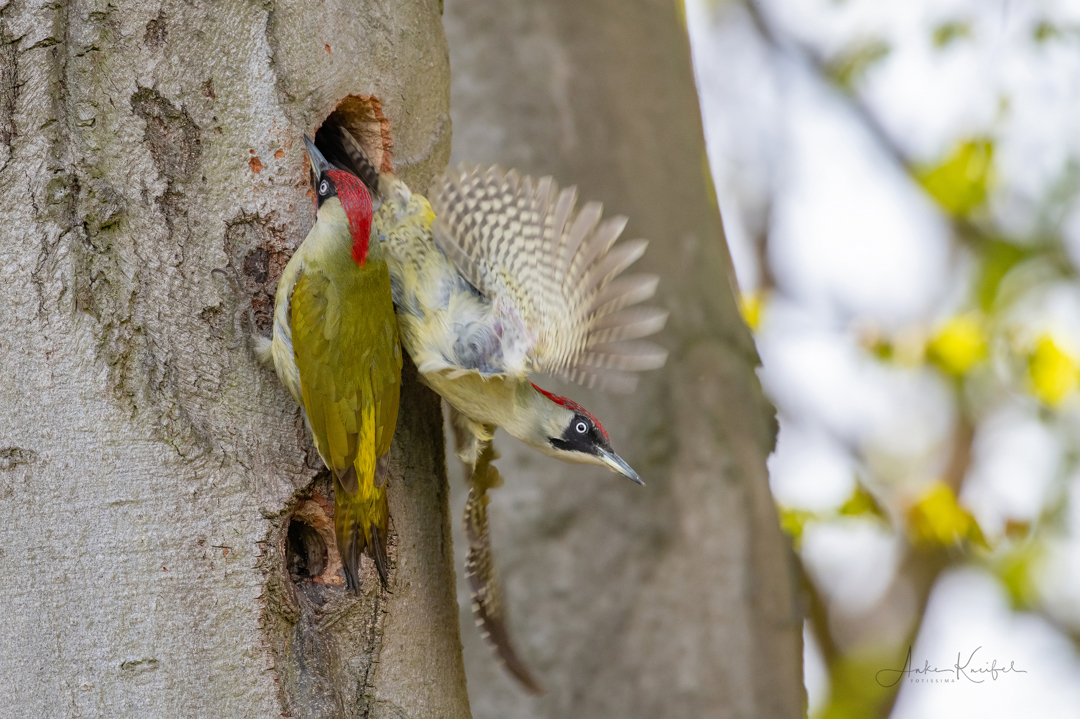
<point>149,474</point>
<point>676,600</point>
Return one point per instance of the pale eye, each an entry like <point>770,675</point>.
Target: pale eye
<point>324,187</point>
<point>582,428</point>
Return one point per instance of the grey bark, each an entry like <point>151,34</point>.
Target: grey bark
<point>149,471</point>
<point>676,600</point>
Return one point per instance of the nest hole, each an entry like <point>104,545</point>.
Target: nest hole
<point>306,554</point>
<point>363,118</point>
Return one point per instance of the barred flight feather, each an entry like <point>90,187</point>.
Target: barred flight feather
<point>624,291</point>
<point>520,240</point>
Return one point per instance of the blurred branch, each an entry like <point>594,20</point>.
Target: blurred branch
<point>963,443</point>
<point>818,616</point>
<point>819,64</point>
<point>964,228</point>
<point>855,648</point>
<point>922,567</point>
<point>766,278</point>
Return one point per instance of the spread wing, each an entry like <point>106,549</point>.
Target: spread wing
<point>349,382</point>
<point>551,273</point>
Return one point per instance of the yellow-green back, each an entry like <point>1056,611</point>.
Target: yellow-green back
<point>345,343</point>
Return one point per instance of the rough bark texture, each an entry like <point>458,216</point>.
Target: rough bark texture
<point>149,470</point>
<point>676,600</point>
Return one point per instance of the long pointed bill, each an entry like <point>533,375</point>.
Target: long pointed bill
<point>318,163</point>
<point>616,463</point>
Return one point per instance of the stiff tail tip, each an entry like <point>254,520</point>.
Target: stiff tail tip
<point>352,547</point>
<point>354,542</point>
<point>378,553</point>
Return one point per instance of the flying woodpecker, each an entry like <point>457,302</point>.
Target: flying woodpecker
<point>496,278</point>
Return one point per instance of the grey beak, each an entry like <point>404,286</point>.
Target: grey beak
<point>616,464</point>
<point>319,165</point>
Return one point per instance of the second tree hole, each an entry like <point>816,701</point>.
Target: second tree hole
<point>306,555</point>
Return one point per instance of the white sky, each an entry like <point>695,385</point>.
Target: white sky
<point>852,244</point>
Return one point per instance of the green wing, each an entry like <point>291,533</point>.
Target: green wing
<point>347,354</point>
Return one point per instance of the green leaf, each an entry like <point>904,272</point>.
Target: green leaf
<point>1045,30</point>
<point>847,68</point>
<point>997,258</point>
<point>950,31</point>
<point>856,679</point>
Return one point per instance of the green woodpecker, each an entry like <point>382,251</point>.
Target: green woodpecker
<point>496,278</point>
<point>335,348</point>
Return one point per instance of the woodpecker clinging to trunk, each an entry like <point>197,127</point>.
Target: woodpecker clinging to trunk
<point>335,348</point>
<point>499,277</point>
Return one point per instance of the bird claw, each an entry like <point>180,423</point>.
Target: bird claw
<point>485,475</point>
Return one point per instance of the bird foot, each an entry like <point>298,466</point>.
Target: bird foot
<point>484,474</point>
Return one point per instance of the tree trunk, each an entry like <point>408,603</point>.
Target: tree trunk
<point>165,536</point>
<point>677,600</point>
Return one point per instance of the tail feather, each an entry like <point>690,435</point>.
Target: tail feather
<point>352,514</point>
<point>488,605</point>
<point>378,536</point>
<point>350,544</point>
<point>339,147</point>
<point>378,553</point>
<point>359,162</point>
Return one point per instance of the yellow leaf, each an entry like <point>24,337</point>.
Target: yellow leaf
<point>1052,372</point>
<point>856,680</point>
<point>959,345</point>
<point>959,184</point>
<point>861,502</point>
<point>938,519</point>
<point>752,306</point>
<point>793,521</point>
<point>1017,570</point>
